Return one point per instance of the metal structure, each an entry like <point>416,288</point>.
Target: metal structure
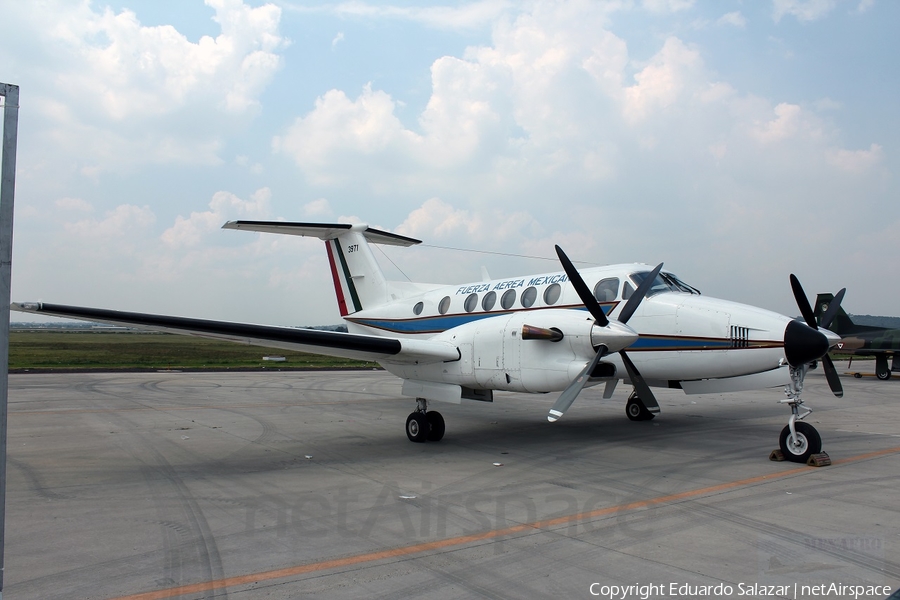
<point>10,95</point>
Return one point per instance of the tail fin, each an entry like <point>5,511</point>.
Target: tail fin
<point>841,323</point>
<point>358,280</point>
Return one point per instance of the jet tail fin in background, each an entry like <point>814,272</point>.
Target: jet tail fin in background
<point>842,323</point>
<point>358,279</point>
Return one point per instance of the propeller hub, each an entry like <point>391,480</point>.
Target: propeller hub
<point>615,336</point>
<point>803,344</point>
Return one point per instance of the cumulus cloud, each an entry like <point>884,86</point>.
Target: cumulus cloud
<point>117,93</point>
<point>469,15</point>
<point>317,208</point>
<point>129,69</point>
<point>803,10</point>
<point>735,19</point>
<point>667,6</point>
<point>74,204</point>
<point>123,221</point>
<point>659,84</point>
<point>190,231</point>
<point>855,161</point>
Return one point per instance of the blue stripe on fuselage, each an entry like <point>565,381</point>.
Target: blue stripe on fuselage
<point>440,323</point>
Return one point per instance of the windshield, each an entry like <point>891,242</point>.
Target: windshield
<point>664,282</point>
<point>679,284</point>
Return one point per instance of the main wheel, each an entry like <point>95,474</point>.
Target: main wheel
<point>417,427</point>
<point>636,411</point>
<point>882,370</point>
<point>808,442</point>
<point>435,425</point>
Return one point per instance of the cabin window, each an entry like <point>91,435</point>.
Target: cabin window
<point>508,299</point>
<point>444,306</point>
<point>489,300</point>
<point>471,302</point>
<point>418,308</point>
<point>551,294</point>
<point>529,296</point>
<point>607,289</point>
<point>627,291</point>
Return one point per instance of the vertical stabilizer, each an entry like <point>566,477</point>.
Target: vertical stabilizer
<point>358,279</point>
<point>841,323</point>
<point>359,282</point>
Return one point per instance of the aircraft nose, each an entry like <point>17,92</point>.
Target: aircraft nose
<point>803,344</point>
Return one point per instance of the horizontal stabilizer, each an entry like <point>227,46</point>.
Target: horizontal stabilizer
<point>330,343</point>
<point>323,231</point>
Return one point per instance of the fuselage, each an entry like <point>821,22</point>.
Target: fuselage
<point>682,334</point>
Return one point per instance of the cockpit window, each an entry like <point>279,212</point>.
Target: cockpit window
<point>664,282</point>
<point>678,284</point>
<point>659,284</point>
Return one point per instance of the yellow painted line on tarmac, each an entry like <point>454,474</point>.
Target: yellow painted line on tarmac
<point>358,559</point>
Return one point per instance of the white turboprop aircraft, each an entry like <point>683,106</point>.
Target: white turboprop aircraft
<point>533,334</point>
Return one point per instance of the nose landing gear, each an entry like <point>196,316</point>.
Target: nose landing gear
<point>798,440</point>
<point>423,424</point>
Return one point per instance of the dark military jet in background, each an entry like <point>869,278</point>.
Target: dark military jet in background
<point>863,340</point>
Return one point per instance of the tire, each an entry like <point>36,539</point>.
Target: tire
<point>858,375</point>
<point>416,427</point>
<point>882,370</point>
<point>810,444</point>
<point>435,426</point>
<point>636,411</point>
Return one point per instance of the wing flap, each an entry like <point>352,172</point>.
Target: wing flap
<point>329,343</point>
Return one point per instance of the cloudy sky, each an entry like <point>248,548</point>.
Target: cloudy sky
<point>738,141</point>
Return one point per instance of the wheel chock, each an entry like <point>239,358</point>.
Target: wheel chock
<point>777,455</point>
<point>819,460</point>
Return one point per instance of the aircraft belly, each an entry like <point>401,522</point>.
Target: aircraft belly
<point>705,364</point>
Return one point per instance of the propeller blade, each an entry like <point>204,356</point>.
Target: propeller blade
<point>638,295</point>
<point>834,381</point>
<point>568,396</point>
<point>802,302</point>
<point>581,287</point>
<point>833,309</point>
<point>640,386</point>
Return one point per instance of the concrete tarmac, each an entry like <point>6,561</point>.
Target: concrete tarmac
<point>303,484</point>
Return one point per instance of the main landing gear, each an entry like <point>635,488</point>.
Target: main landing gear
<point>636,410</point>
<point>423,424</point>
<point>798,440</point>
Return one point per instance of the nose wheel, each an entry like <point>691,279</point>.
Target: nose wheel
<point>798,440</point>
<point>801,444</point>
<point>424,425</point>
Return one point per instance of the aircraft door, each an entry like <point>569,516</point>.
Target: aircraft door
<point>489,358</point>
<point>512,357</point>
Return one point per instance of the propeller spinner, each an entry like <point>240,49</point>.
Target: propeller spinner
<point>616,333</point>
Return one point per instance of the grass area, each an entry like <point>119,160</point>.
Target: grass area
<point>127,350</point>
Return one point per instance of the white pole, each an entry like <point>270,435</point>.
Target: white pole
<point>10,94</point>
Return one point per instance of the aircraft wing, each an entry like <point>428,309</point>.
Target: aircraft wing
<point>330,343</point>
